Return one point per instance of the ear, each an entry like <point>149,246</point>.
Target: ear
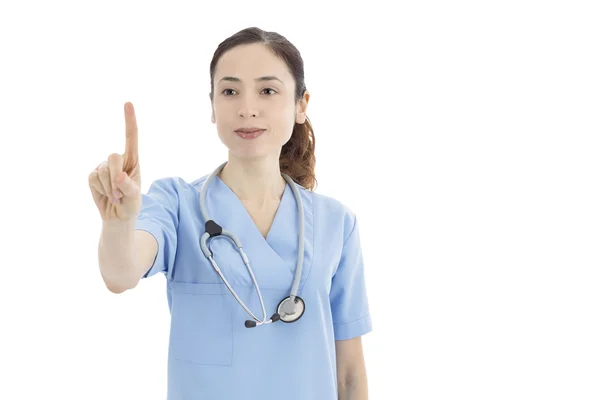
<point>301,108</point>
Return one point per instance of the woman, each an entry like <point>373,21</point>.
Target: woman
<point>288,322</point>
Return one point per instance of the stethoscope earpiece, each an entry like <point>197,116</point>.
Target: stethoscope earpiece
<point>275,317</point>
<point>251,324</point>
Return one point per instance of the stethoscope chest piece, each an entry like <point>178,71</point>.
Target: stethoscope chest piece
<point>291,310</point>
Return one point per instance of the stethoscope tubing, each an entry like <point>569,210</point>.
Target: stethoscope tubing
<point>205,246</point>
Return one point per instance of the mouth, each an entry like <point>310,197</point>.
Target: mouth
<point>249,133</point>
<point>249,130</point>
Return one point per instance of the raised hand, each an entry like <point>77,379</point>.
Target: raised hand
<point>115,183</point>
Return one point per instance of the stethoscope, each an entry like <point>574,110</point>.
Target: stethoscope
<point>291,308</point>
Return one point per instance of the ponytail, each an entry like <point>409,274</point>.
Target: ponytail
<point>297,157</point>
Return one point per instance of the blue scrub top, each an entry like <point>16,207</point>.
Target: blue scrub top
<point>212,355</point>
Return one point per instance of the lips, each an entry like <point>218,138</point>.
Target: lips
<point>249,133</point>
<point>249,130</point>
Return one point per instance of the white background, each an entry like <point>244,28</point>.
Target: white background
<point>464,135</point>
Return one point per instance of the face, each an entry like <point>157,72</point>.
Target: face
<point>242,100</point>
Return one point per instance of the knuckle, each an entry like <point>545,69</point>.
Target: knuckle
<point>96,186</point>
<point>115,157</point>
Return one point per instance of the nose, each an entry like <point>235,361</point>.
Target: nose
<point>247,113</point>
<point>248,108</point>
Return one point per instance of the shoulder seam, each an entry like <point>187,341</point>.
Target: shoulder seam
<point>351,231</point>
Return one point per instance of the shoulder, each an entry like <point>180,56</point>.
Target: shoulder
<point>177,185</point>
<point>334,211</point>
<point>172,191</point>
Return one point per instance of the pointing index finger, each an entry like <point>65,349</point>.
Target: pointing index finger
<point>131,132</point>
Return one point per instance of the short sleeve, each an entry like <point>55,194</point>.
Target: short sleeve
<point>348,295</point>
<point>159,216</point>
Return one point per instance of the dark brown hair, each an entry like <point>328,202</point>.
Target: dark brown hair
<point>297,157</point>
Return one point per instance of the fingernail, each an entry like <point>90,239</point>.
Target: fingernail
<point>117,193</point>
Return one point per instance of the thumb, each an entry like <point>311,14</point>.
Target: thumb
<point>127,185</point>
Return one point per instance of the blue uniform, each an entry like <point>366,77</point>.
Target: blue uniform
<point>212,355</point>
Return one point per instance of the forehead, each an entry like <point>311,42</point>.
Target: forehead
<point>251,61</point>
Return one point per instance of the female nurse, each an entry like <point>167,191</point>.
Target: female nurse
<point>265,277</point>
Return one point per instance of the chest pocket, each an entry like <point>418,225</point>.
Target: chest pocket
<point>201,323</point>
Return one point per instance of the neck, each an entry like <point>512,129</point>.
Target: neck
<point>255,181</point>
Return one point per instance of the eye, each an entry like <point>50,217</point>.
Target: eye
<point>225,92</point>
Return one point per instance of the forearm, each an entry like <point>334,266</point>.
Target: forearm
<point>353,388</point>
<point>116,253</point>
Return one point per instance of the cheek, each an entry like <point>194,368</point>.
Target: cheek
<point>222,109</point>
<point>284,124</point>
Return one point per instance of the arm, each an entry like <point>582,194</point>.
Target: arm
<point>124,254</point>
<point>351,370</point>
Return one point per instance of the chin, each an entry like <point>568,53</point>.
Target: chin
<point>249,149</point>
<point>248,152</point>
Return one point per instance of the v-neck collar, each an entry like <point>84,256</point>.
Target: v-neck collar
<point>280,247</point>
<point>281,209</point>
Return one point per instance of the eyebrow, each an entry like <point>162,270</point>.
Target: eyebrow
<point>261,79</point>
